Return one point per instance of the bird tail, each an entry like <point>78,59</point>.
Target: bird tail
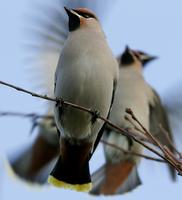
<point>113,179</point>
<point>72,168</point>
<point>35,159</point>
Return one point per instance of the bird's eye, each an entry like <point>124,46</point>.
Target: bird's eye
<point>86,16</point>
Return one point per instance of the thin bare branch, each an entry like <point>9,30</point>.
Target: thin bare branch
<point>134,126</point>
<point>172,160</point>
<point>61,102</point>
<point>166,135</point>
<point>24,115</point>
<point>37,116</point>
<point>168,155</point>
<point>133,153</point>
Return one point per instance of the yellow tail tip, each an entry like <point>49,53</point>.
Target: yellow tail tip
<point>86,187</point>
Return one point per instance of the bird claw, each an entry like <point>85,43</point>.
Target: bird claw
<point>95,115</point>
<point>59,102</point>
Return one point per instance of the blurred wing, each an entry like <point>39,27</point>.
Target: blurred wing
<point>45,37</point>
<point>112,179</point>
<point>35,160</point>
<point>159,117</point>
<point>173,105</point>
<point>46,34</point>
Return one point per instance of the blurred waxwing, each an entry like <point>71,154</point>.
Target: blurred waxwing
<point>34,161</point>
<point>86,75</point>
<point>119,174</point>
<point>172,99</point>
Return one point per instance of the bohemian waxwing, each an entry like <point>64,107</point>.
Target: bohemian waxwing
<point>119,174</point>
<point>48,26</point>
<point>86,75</point>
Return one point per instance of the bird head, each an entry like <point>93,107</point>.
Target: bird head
<point>131,57</point>
<point>81,17</point>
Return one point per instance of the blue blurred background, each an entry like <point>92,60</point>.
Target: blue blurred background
<point>151,26</point>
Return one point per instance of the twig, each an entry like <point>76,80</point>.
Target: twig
<point>35,115</point>
<point>122,131</point>
<point>166,135</point>
<point>168,155</point>
<point>134,126</point>
<point>28,115</point>
<point>27,92</point>
<point>133,153</point>
<point>61,101</point>
<point>147,133</point>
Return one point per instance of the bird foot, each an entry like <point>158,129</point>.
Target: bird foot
<point>95,115</point>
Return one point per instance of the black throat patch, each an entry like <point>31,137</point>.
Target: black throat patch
<point>74,20</point>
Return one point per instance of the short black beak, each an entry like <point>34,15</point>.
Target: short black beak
<point>146,59</point>
<point>153,58</point>
<point>67,11</point>
<point>74,20</point>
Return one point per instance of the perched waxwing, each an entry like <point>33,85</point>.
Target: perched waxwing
<point>119,174</point>
<point>33,162</point>
<point>46,32</point>
<point>86,75</point>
